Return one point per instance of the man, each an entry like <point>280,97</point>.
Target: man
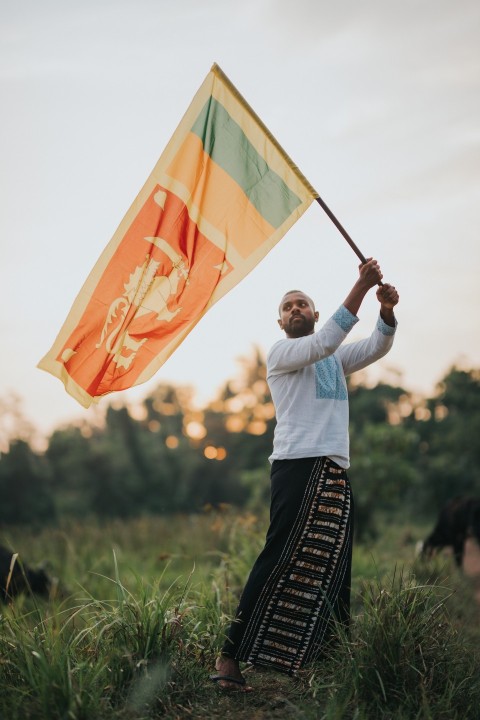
<point>301,579</point>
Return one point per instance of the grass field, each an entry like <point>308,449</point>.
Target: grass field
<point>136,619</point>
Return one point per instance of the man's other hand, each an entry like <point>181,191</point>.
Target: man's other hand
<point>387,296</point>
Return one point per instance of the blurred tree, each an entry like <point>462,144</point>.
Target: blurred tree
<point>24,489</point>
<point>69,455</point>
<point>449,432</point>
<point>239,425</point>
<point>166,455</point>
<point>384,474</point>
<point>374,404</point>
<point>171,428</point>
<point>13,423</point>
<point>383,453</point>
<point>123,468</point>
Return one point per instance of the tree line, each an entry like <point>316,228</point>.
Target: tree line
<point>409,454</point>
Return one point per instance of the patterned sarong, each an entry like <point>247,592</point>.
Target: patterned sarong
<point>301,579</point>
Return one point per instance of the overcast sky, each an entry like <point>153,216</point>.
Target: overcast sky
<point>378,103</point>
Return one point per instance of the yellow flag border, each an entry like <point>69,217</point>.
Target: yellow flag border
<point>159,176</point>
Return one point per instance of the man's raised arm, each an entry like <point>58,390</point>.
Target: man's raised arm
<point>369,276</point>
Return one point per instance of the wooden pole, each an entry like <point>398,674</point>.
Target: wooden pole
<point>340,227</point>
<point>345,234</point>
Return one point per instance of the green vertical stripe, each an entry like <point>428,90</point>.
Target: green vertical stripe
<point>228,146</point>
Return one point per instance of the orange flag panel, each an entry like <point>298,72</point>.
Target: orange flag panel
<point>146,277</point>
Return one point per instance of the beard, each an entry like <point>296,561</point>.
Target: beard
<point>299,326</point>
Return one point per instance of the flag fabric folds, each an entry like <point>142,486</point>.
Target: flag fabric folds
<point>222,194</point>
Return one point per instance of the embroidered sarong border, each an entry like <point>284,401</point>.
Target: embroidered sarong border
<point>295,606</point>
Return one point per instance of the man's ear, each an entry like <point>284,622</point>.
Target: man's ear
<point>280,324</point>
<point>316,316</point>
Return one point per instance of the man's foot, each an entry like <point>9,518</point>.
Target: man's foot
<point>228,675</point>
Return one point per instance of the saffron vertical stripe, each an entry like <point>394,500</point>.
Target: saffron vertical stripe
<point>222,201</point>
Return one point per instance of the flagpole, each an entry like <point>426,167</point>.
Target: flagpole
<point>340,227</point>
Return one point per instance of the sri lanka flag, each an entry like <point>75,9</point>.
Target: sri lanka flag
<point>221,196</point>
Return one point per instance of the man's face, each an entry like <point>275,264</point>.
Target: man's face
<point>297,315</point>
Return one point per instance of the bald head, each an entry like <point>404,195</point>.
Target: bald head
<point>297,314</point>
<point>295,292</point>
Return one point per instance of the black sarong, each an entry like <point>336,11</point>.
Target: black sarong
<point>301,579</point>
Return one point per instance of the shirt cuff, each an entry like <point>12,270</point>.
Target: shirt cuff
<point>345,319</point>
<point>384,328</point>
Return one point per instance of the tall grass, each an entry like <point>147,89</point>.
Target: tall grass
<point>133,639</point>
<point>137,632</point>
<point>44,670</point>
<point>103,656</point>
<point>405,658</point>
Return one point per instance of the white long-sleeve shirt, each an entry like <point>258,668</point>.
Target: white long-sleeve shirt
<point>306,377</point>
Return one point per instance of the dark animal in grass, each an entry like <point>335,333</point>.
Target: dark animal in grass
<point>458,520</point>
<point>17,577</point>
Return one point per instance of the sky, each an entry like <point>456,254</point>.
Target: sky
<point>377,102</point>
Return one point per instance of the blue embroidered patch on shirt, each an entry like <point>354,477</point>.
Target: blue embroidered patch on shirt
<point>384,328</point>
<point>328,380</point>
<point>344,318</point>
